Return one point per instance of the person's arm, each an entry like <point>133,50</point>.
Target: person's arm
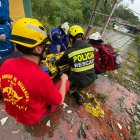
<point>52,94</point>
<point>63,60</point>
<point>62,88</point>
<point>6,33</point>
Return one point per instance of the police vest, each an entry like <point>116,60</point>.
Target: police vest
<point>83,59</point>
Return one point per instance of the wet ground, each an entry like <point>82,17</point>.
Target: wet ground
<point>72,122</point>
<point>65,123</point>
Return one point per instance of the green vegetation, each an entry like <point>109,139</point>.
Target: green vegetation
<point>134,129</point>
<point>54,12</point>
<point>137,40</point>
<point>102,96</point>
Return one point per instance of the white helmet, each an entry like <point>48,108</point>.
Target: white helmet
<point>65,27</point>
<point>95,36</point>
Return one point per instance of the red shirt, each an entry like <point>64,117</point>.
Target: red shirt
<point>27,90</point>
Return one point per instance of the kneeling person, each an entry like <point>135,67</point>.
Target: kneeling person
<point>29,93</point>
<point>80,57</point>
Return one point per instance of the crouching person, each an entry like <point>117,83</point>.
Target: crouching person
<point>29,93</point>
<point>80,57</point>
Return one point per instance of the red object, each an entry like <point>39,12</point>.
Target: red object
<point>27,90</point>
<point>105,58</point>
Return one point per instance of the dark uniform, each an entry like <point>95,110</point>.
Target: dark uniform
<point>80,57</point>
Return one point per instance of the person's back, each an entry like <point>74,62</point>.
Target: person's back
<point>29,89</point>
<point>81,56</point>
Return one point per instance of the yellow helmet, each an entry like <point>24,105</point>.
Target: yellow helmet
<point>76,29</point>
<point>28,32</point>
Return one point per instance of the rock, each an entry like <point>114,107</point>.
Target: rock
<point>48,123</point>
<point>64,105</point>
<point>136,119</point>
<point>69,111</point>
<point>128,127</point>
<point>3,120</point>
<point>138,114</point>
<point>89,126</point>
<point>120,127</point>
<point>138,107</point>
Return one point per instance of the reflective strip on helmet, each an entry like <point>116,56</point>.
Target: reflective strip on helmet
<point>23,39</point>
<point>80,51</point>
<point>36,29</point>
<point>83,68</point>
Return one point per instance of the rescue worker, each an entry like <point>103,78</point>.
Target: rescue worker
<point>5,12</point>
<point>105,56</point>
<point>80,57</point>
<point>95,39</point>
<point>6,47</point>
<point>59,37</point>
<point>29,93</point>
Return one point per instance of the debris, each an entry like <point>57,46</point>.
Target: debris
<point>111,125</point>
<point>64,105</point>
<point>81,132</point>
<point>89,126</point>
<point>15,132</point>
<point>69,111</point>
<point>138,114</point>
<point>115,72</point>
<point>105,75</point>
<point>136,119</point>
<point>102,116</point>
<point>138,107</point>
<point>129,111</point>
<point>48,123</point>
<point>51,133</point>
<point>129,128</point>
<point>3,120</point>
<point>121,135</point>
<point>120,127</point>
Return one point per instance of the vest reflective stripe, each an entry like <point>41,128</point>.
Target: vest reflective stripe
<point>83,68</point>
<point>80,51</point>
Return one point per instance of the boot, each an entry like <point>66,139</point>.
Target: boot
<point>78,97</point>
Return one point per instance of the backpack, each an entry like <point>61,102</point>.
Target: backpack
<point>106,58</point>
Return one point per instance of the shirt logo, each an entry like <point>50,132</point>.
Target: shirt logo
<point>10,93</point>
